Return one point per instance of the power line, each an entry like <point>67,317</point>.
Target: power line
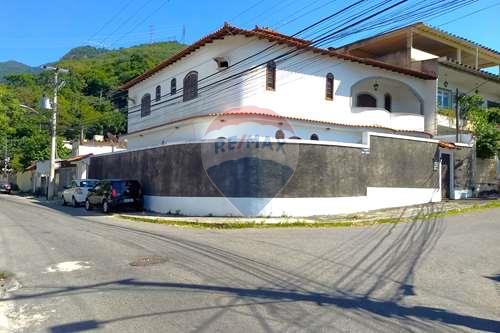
<point>324,37</point>
<point>163,4</point>
<point>127,20</point>
<point>247,10</point>
<point>470,14</point>
<point>288,53</point>
<point>108,22</point>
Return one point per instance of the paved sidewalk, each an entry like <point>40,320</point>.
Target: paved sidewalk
<point>393,215</point>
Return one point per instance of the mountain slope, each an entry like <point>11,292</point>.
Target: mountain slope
<point>15,67</point>
<point>83,52</point>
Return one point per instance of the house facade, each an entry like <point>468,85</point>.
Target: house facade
<point>324,94</point>
<point>458,64</point>
<point>256,123</point>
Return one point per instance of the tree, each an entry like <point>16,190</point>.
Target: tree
<point>484,123</point>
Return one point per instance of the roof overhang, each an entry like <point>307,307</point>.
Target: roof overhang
<point>488,56</point>
<point>274,37</point>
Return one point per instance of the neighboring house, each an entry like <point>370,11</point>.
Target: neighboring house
<point>75,167</point>
<point>96,146</point>
<point>323,94</point>
<point>459,64</point>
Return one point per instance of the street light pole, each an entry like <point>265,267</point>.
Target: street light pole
<point>53,139</point>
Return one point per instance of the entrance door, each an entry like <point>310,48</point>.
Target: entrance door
<point>445,176</point>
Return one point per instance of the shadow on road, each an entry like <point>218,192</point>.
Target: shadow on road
<point>372,273</point>
<point>386,309</point>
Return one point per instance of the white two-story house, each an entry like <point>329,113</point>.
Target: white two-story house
<point>322,94</point>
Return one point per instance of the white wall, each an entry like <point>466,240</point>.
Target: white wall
<point>196,129</point>
<point>300,90</point>
<point>96,149</point>
<point>376,198</point>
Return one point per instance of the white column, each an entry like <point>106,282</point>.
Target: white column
<point>477,58</point>
<point>409,46</point>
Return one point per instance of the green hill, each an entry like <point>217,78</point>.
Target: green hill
<point>88,103</point>
<point>83,52</point>
<point>114,67</point>
<point>14,67</point>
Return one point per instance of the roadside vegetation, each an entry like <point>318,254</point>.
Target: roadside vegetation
<point>228,223</point>
<point>89,103</point>
<point>484,123</point>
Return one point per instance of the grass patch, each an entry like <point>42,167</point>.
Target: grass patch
<point>4,275</point>
<point>311,224</point>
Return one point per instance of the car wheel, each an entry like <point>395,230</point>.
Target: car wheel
<point>88,206</point>
<point>73,201</point>
<point>105,207</point>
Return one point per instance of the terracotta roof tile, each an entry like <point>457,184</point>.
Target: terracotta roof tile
<point>261,33</point>
<point>266,113</point>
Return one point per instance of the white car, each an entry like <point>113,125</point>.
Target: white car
<point>77,191</point>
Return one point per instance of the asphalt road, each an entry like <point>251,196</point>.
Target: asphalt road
<point>81,272</point>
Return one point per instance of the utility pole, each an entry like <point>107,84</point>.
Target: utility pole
<point>457,116</point>
<point>53,141</point>
<point>5,160</point>
<point>151,33</point>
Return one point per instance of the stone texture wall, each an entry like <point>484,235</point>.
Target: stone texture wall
<point>319,171</point>
<point>463,168</point>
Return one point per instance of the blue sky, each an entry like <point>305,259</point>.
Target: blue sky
<point>36,32</point>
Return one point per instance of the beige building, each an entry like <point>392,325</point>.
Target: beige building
<point>459,64</point>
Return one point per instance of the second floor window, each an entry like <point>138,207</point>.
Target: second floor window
<point>388,102</point>
<point>146,105</point>
<point>329,87</point>
<point>444,98</point>
<point>190,87</point>
<point>271,75</point>
<point>366,101</point>
<point>173,86</point>
<point>158,93</point>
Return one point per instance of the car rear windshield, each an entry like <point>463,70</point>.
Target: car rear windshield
<point>88,183</point>
<point>126,187</point>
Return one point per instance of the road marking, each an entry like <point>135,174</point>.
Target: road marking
<point>68,266</point>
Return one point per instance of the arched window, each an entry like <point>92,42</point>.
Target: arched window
<point>146,105</point>
<point>279,134</point>
<point>315,137</point>
<point>190,86</point>
<point>329,87</point>
<point>388,102</point>
<point>173,86</point>
<point>271,75</point>
<point>366,101</point>
<point>158,93</point>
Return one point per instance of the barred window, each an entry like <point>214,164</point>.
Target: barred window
<point>190,87</point>
<point>158,93</point>
<point>271,76</point>
<point>388,102</point>
<point>146,105</point>
<point>329,87</point>
<point>173,86</point>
